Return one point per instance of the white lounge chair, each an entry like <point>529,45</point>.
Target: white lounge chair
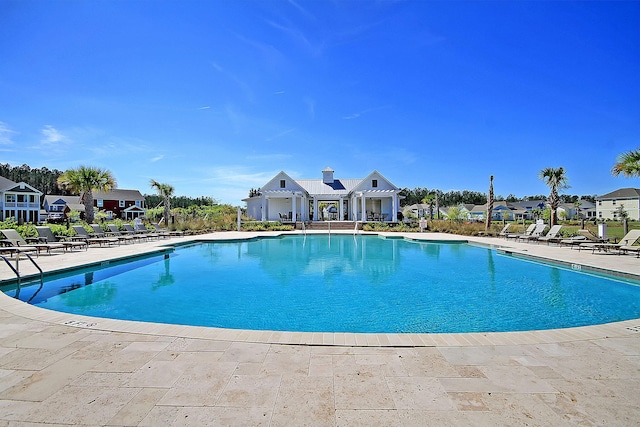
<point>527,232</point>
<point>551,236</point>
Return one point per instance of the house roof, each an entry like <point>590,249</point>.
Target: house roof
<point>622,193</point>
<point>52,199</point>
<point>339,187</point>
<point>20,187</point>
<point>118,194</point>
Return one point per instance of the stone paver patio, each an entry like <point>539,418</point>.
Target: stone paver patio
<point>61,369</point>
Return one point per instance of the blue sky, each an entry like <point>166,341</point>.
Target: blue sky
<point>217,97</point>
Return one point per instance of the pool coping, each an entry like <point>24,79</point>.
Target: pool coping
<point>615,329</point>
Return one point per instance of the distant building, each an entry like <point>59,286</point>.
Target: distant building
<point>373,198</point>
<point>608,205</point>
<point>19,200</point>
<point>117,203</point>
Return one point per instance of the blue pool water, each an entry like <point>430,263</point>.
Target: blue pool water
<point>340,283</point>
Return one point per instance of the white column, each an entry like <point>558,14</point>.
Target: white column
<point>394,206</point>
<point>263,208</point>
<point>364,207</point>
<point>293,207</point>
<point>341,210</point>
<point>315,208</point>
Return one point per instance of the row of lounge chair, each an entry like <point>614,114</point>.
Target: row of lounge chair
<point>14,244</point>
<point>584,240</point>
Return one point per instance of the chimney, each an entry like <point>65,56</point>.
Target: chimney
<point>327,175</point>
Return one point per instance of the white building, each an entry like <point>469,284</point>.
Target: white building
<point>608,205</point>
<point>19,201</point>
<point>283,198</point>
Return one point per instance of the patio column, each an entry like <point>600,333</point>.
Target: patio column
<point>315,208</point>
<point>364,207</point>
<point>341,210</point>
<point>264,208</point>
<point>293,207</point>
<point>394,207</point>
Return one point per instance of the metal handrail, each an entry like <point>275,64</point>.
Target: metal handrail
<point>10,266</point>
<point>16,269</point>
<point>36,265</point>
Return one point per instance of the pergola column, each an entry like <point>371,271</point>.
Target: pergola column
<point>263,207</point>
<point>364,207</point>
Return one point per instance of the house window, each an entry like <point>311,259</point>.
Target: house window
<point>613,202</point>
<point>600,214</point>
<point>121,203</point>
<point>100,203</point>
<point>283,184</point>
<point>599,202</point>
<point>10,198</point>
<point>374,183</point>
<point>138,203</point>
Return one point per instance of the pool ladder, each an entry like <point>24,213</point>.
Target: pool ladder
<point>16,269</point>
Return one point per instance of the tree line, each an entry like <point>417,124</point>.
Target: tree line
<point>456,197</point>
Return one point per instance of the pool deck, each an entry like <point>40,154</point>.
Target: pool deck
<point>63,369</point>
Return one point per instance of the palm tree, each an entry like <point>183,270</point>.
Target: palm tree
<point>628,164</point>
<point>84,181</point>
<point>556,180</point>
<point>165,191</point>
<point>489,205</point>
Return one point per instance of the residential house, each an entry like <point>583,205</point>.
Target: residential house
<point>500,211</point>
<point>55,207</point>
<point>118,203</point>
<point>608,205</point>
<point>19,200</point>
<point>373,198</point>
<point>585,209</point>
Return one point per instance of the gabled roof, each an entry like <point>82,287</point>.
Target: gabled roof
<point>622,193</point>
<point>118,194</point>
<point>18,187</point>
<point>274,184</point>
<point>52,199</point>
<point>364,183</point>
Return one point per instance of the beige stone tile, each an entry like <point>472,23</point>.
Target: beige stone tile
<point>120,363</point>
<point>199,386</point>
<point>82,405</point>
<point>245,352</point>
<point>138,407</point>
<point>250,391</point>
<point>305,401</point>
<point>44,383</point>
<point>368,418</point>
<point>287,360</point>
<point>217,416</point>
<point>156,373</point>
<point>363,390</point>
<point>468,401</point>
<point>420,393</point>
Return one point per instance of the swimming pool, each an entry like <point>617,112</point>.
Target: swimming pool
<point>339,283</point>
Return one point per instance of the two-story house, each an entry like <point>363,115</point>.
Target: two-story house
<point>118,203</point>
<point>608,205</point>
<point>19,200</point>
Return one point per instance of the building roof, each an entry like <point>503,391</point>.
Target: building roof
<point>622,193</point>
<point>19,187</point>
<point>339,187</point>
<point>118,194</point>
<point>51,199</point>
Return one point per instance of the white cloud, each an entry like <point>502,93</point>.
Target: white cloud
<point>6,134</point>
<point>51,135</point>
<point>155,159</point>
